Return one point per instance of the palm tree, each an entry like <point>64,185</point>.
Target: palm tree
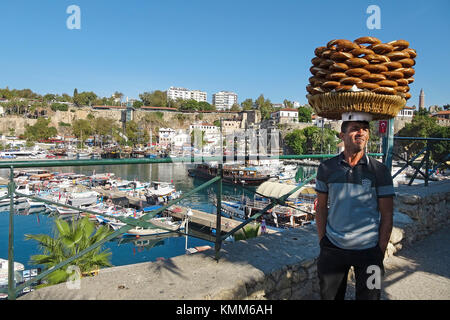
<point>247,232</point>
<point>67,241</point>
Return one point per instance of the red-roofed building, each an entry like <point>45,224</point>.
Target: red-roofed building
<point>285,115</point>
<point>149,108</point>
<point>442,117</point>
<point>109,107</point>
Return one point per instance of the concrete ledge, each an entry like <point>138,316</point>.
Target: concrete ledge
<point>276,266</point>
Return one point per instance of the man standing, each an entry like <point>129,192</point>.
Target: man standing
<point>354,214</point>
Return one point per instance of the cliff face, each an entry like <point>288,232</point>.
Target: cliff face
<point>175,120</point>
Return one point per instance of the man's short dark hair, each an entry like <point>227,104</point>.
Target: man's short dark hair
<point>345,124</point>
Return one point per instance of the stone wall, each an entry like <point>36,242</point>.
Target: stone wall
<point>176,120</point>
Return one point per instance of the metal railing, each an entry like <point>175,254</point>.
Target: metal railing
<point>132,222</point>
<point>426,152</point>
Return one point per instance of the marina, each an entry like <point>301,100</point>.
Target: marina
<point>93,188</point>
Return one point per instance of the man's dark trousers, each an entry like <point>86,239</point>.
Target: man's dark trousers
<point>333,267</point>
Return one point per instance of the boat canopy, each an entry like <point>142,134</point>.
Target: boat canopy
<point>277,190</point>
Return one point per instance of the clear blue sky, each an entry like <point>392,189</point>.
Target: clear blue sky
<point>246,46</point>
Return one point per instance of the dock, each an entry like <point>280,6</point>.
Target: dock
<point>206,219</point>
<point>198,217</point>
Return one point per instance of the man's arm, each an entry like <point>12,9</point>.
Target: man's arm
<point>386,207</point>
<point>321,213</point>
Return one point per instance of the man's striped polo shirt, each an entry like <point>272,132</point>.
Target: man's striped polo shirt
<point>353,217</point>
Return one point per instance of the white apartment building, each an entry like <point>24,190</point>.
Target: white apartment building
<point>224,100</point>
<point>174,93</point>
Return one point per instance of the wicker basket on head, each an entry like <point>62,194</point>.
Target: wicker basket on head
<point>331,105</point>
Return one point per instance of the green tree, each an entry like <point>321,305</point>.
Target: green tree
<point>422,125</point>
<point>205,106</point>
<point>295,140</point>
<point>235,107</point>
<point>67,241</point>
<point>311,140</point>
<point>84,99</point>
<point>264,106</point>
<point>288,104</point>
<point>189,105</point>
<point>247,104</point>
<point>137,104</point>
<point>304,114</point>
<point>82,128</point>
<point>155,98</point>
<point>40,130</point>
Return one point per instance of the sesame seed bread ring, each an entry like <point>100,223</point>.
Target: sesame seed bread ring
<point>381,48</point>
<point>397,55</point>
<point>410,80</point>
<point>325,63</point>
<point>412,53</point>
<point>336,76</point>
<point>318,90</point>
<point>367,40</point>
<point>377,58</point>
<point>403,89</point>
<point>376,68</point>
<point>402,44</point>
<point>357,62</point>
<point>367,85</point>
<point>322,73</point>
<point>318,51</point>
<point>407,95</point>
<point>341,56</point>
<point>360,52</point>
<point>393,75</point>
<point>407,72</point>
<point>407,63</point>
<point>342,45</point>
<point>373,77</point>
<point>402,82</point>
<point>330,84</point>
<point>309,88</point>
<point>315,70</point>
<point>393,65</point>
<point>343,88</point>
<point>384,90</point>
<point>338,67</point>
<point>316,61</point>
<point>350,81</point>
<point>316,82</point>
<point>356,72</point>
<point>327,53</point>
<point>387,83</point>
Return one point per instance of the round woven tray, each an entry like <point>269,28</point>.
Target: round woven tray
<point>331,105</point>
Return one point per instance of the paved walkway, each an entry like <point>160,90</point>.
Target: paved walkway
<point>420,271</point>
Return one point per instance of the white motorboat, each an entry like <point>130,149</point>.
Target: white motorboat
<point>167,224</point>
<point>18,267</point>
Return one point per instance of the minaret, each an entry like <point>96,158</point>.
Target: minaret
<point>421,100</point>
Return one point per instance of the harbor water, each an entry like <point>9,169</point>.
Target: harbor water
<point>124,250</point>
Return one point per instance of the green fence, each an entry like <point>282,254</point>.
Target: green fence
<point>131,222</point>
